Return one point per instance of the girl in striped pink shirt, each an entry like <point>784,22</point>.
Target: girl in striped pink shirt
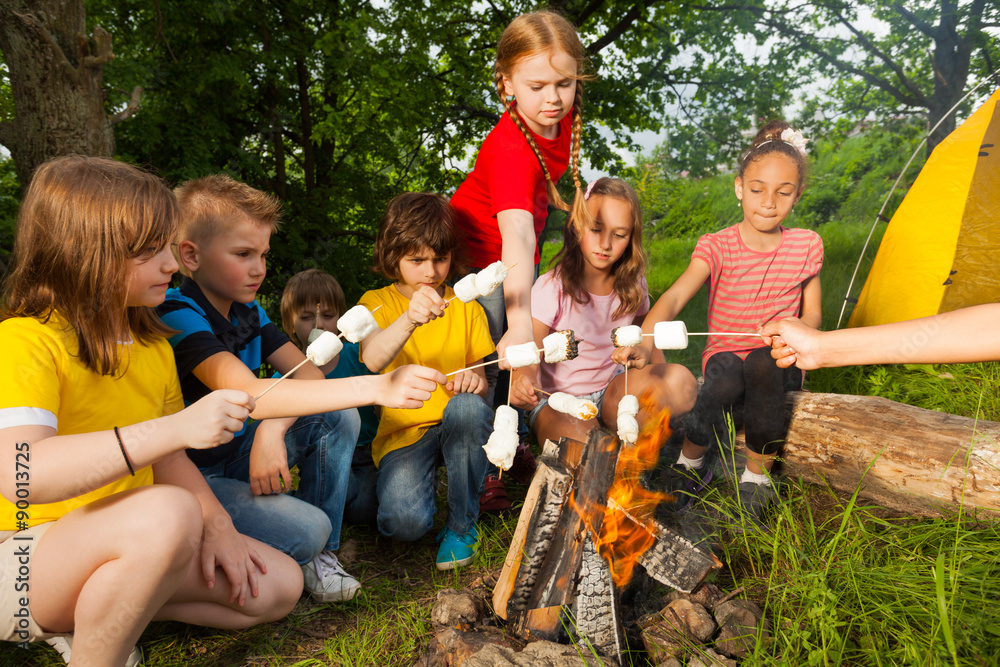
<point>757,271</point>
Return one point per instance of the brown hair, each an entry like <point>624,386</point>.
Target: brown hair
<point>630,268</point>
<point>82,222</point>
<point>526,36</point>
<point>213,205</point>
<point>306,289</point>
<point>768,140</point>
<point>411,221</point>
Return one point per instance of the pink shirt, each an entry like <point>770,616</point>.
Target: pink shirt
<point>592,322</point>
<point>749,288</point>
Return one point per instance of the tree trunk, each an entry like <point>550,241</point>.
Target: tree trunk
<point>56,76</point>
<point>916,461</point>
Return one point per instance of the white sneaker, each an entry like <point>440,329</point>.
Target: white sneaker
<point>327,581</point>
<point>63,644</point>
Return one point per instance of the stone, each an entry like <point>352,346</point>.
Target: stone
<point>709,658</point>
<point>457,609</point>
<point>678,625</point>
<point>739,621</point>
<point>535,654</point>
<point>452,647</point>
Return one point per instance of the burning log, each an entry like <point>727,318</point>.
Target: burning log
<point>920,461</point>
<point>597,613</point>
<point>581,530</point>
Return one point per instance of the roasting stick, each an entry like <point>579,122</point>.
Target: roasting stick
<point>300,364</point>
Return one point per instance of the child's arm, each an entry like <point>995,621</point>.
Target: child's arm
<point>665,310</point>
<point>960,336</point>
<point>268,455</point>
<point>517,229</point>
<point>67,466</point>
<point>406,387</point>
<point>524,380</point>
<point>380,348</point>
<point>812,303</point>
<point>222,546</point>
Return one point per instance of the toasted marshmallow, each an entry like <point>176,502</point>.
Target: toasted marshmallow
<point>580,408</point>
<point>560,346</point>
<point>629,336</point>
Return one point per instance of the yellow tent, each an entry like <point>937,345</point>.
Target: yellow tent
<point>941,250</point>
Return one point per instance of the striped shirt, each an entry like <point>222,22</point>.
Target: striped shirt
<point>749,288</point>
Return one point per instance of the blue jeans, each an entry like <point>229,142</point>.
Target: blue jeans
<point>305,521</point>
<point>361,504</point>
<point>407,477</point>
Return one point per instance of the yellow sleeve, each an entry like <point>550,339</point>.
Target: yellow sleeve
<point>30,386</point>
<point>480,342</point>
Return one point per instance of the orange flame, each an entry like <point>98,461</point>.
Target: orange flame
<point>628,530</point>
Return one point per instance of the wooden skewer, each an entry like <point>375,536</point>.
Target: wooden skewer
<point>541,391</point>
<point>470,368</point>
<point>275,383</point>
<point>713,333</point>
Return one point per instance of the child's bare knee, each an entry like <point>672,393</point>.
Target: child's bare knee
<point>168,520</point>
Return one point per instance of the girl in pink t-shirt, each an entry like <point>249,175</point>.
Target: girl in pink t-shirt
<point>598,284</point>
<point>757,272</point>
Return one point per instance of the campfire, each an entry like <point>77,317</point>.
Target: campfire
<point>586,523</point>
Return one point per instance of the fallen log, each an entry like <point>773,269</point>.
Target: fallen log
<point>917,461</point>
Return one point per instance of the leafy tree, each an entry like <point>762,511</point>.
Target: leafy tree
<point>51,90</point>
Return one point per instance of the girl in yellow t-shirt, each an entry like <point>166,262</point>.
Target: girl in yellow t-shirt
<point>105,523</point>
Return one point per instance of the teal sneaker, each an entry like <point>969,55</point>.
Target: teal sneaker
<point>457,550</point>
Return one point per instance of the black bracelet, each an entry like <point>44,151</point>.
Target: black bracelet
<point>121,446</point>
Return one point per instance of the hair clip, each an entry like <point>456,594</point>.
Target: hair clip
<point>590,186</point>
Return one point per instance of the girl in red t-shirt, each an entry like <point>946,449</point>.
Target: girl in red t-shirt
<point>503,203</point>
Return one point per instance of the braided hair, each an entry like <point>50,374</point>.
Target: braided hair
<point>526,36</point>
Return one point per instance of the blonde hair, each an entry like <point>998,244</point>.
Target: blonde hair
<point>82,222</point>
<point>213,205</point>
<point>630,268</point>
<point>306,289</point>
<point>529,35</point>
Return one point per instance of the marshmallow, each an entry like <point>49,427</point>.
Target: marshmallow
<point>629,336</point>
<point>502,443</point>
<point>313,335</point>
<point>466,290</point>
<point>628,428</point>
<point>356,324</point>
<point>522,355</point>
<point>322,350</point>
<point>505,419</point>
<point>670,335</point>
<point>568,404</point>
<point>500,448</point>
<point>560,346</point>
<point>490,278</point>
<point>629,405</point>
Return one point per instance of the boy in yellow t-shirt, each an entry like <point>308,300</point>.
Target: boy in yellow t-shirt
<point>416,239</point>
